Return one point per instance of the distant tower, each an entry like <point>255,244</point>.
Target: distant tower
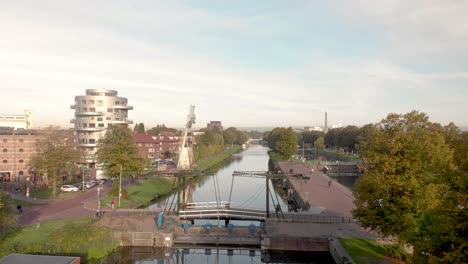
<point>326,123</point>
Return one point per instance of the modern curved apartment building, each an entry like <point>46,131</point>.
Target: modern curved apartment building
<point>94,113</point>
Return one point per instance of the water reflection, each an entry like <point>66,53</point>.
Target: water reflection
<point>135,255</point>
<point>241,192</point>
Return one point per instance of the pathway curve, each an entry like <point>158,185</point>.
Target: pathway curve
<point>65,209</point>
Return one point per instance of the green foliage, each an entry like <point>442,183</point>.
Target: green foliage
<point>114,192</point>
<point>345,138</point>
<point>54,157</point>
<point>215,159</point>
<point>208,144</point>
<point>118,150</point>
<point>319,143</point>
<point>154,131</point>
<point>394,251</point>
<point>416,186</point>
<point>78,237</point>
<point>234,136</point>
<point>283,141</point>
<point>8,217</point>
<point>139,128</point>
<point>309,137</point>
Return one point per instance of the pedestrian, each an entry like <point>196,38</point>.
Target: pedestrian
<point>20,209</point>
<point>112,204</point>
<point>329,183</point>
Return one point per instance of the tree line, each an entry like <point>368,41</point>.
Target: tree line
<point>415,183</point>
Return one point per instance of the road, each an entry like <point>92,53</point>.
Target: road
<point>82,205</point>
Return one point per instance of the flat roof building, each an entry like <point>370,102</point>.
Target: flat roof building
<point>17,121</point>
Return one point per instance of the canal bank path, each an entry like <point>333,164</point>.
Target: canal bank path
<point>335,199</point>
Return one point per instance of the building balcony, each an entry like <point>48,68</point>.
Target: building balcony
<point>128,107</point>
<point>90,129</point>
<point>121,122</point>
<point>89,114</point>
<point>72,106</point>
<point>86,144</point>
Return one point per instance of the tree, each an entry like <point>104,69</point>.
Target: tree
<point>162,128</point>
<point>53,155</point>
<point>319,143</point>
<point>117,148</point>
<point>283,141</point>
<point>404,157</point>
<point>141,128</point>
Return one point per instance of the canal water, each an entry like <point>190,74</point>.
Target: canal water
<point>241,192</point>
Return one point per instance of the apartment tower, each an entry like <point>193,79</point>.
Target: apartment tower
<point>94,113</point>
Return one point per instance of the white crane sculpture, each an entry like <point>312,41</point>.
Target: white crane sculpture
<point>185,160</point>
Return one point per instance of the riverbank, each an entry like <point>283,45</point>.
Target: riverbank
<point>154,187</point>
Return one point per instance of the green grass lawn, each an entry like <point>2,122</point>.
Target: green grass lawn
<point>362,248</point>
<point>42,194</point>
<point>79,237</point>
<point>142,193</point>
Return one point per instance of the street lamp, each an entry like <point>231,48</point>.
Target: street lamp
<point>120,184</point>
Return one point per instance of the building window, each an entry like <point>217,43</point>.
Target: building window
<point>100,102</point>
<point>99,119</point>
<point>5,150</point>
<point>5,140</point>
<point>109,110</point>
<point>92,109</point>
<point>108,118</point>
<point>85,125</point>
<point>21,161</point>
<point>101,125</point>
<point>151,150</point>
<point>83,101</point>
<point>85,109</point>
<point>91,102</point>
<point>92,125</point>
<point>139,144</point>
<point>5,161</point>
<point>21,150</point>
<point>21,140</point>
<point>20,173</point>
<point>117,102</point>
<point>92,141</point>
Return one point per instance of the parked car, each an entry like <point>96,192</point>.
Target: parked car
<point>79,186</point>
<point>90,184</point>
<point>69,188</point>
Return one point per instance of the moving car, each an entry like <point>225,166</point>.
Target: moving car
<point>68,188</point>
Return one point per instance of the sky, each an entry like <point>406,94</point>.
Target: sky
<point>263,63</point>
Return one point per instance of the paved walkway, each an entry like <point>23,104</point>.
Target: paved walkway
<point>22,197</point>
<point>66,209</point>
<point>333,200</point>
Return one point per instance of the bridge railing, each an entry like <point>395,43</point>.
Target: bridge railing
<point>316,219</point>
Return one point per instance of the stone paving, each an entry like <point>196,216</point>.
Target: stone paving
<point>335,199</point>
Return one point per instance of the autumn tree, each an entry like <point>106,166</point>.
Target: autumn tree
<point>54,155</point>
<point>319,143</point>
<point>117,150</point>
<point>404,159</point>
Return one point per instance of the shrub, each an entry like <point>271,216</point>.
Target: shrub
<point>394,251</point>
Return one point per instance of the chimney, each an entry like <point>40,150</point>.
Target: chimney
<point>326,123</point>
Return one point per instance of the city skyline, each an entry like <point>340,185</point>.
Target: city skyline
<point>247,64</point>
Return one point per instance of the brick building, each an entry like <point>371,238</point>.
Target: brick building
<point>214,126</point>
<point>17,146</point>
<point>164,145</point>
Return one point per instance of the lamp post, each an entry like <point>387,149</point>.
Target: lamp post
<point>120,184</point>
<point>83,186</point>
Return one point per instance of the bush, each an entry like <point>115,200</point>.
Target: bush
<point>394,251</point>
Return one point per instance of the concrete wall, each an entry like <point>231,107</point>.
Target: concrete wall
<point>338,253</point>
<point>144,239</point>
<point>295,244</point>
